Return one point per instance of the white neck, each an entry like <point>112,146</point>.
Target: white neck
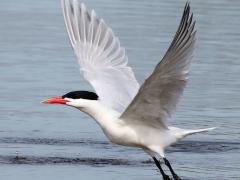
<point>102,115</point>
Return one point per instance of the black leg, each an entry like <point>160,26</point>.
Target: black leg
<point>175,176</point>
<point>165,177</point>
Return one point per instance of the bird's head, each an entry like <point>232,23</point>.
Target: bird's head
<point>76,99</point>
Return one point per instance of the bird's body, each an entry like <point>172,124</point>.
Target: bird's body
<point>129,114</point>
<point>150,139</point>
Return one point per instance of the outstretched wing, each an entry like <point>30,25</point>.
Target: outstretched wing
<point>101,58</point>
<point>159,94</point>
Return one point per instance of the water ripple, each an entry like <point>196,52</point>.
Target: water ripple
<point>204,146</point>
<point>51,141</point>
<point>36,160</point>
<point>183,146</point>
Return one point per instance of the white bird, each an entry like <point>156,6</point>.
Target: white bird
<point>128,114</point>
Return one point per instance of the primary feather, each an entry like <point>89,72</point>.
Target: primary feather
<point>159,94</point>
<point>101,58</point>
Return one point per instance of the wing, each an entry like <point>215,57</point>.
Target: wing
<point>159,94</point>
<point>101,58</point>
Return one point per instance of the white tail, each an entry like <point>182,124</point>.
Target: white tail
<point>189,132</point>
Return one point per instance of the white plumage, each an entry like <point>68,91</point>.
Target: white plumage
<point>101,58</point>
<point>127,114</point>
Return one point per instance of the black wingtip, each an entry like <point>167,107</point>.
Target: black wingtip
<point>187,4</point>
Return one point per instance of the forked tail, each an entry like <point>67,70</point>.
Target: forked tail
<point>189,132</point>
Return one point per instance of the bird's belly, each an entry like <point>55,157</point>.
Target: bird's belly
<point>123,136</point>
<point>149,137</point>
<point>124,141</point>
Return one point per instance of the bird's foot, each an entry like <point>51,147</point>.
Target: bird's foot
<point>176,177</point>
<point>166,177</point>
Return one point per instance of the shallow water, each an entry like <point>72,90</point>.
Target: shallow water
<point>54,142</point>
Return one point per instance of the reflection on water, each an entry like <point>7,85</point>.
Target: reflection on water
<point>37,62</point>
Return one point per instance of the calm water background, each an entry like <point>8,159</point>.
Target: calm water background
<point>56,142</point>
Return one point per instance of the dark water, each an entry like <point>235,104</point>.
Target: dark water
<point>54,142</point>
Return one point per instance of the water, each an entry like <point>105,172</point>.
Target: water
<point>55,142</point>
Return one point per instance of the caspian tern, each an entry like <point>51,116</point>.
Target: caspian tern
<point>128,114</point>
